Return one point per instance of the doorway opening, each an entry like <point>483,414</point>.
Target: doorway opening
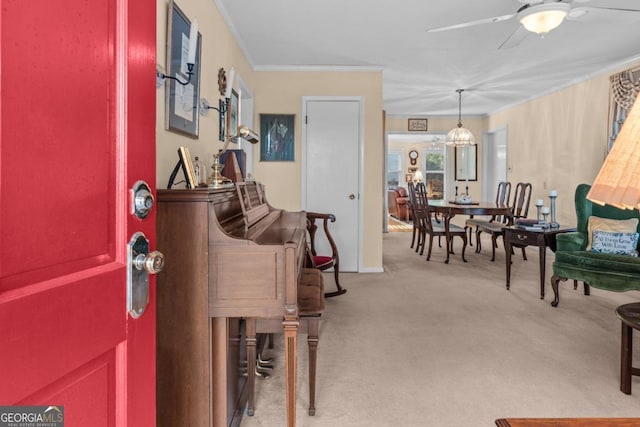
<point>412,157</point>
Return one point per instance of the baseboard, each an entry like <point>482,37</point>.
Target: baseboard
<point>371,270</point>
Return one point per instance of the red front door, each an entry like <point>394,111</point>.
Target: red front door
<point>77,130</point>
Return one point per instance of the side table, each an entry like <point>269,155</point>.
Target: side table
<point>543,239</point>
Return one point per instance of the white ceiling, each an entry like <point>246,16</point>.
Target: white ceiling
<point>422,70</point>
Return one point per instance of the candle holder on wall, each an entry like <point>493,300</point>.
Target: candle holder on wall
<point>224,86</point>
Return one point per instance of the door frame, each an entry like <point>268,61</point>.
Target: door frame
<point>416,137</point>
<point>489,139</point>
<point>303,159</point>
<point>246,119</point>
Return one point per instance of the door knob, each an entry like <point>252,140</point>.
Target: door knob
<point>352,196</point>
<point>152,263</point>
<point>140,263</point>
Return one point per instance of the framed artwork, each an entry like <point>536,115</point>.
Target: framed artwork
<point>418,124</point>
<point>466,163</point>
<point>408,177</point>
<point>277,138</point>
<point>181,101</point>
<point>233,112</point>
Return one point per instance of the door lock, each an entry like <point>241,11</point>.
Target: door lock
<point>142,199</point>
<point>140,263</point>
<point>352,196</point>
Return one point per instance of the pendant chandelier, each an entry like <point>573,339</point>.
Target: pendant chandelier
<point>460,135</point>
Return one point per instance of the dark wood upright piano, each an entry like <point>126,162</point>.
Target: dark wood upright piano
<point>229,255</point>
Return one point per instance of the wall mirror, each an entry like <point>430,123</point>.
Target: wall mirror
<point>466,163</point>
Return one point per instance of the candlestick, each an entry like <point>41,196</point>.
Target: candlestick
<point>539,207</point>
<point>193,42</point>
<point>545,212</point>
<point>230,78</point>
<point>553,195</point>
<point>539,202</point>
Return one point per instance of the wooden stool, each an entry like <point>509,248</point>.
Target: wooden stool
<point>629,314</point>
<point>310,307</point>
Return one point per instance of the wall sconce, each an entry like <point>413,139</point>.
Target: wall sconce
<point>191,58</point>
<point>217,180</point>
<point>224,85</point>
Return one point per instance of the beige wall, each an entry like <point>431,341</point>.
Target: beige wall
<point>274,92</point>
<point>219,49</point>
<point>559,140</point>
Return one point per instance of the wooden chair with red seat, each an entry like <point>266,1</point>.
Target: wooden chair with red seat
<point>324,261</point>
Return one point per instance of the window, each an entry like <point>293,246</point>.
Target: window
<point>434,170</point>
<point>394,169</point>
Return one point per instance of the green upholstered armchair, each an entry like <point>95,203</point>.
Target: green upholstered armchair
<point>600,270</point>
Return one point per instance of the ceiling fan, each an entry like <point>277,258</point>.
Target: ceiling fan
<point>536,16</point>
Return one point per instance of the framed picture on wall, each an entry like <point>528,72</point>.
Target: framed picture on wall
<point>417,124</point>
<point>233,114</point>
<point>466,163</point>
<point>181,101</point>
<point>277,138</point>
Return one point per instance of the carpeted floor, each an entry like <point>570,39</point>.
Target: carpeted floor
<point>431,344</point>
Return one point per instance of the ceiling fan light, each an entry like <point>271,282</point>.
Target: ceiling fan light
<point>543,18</point>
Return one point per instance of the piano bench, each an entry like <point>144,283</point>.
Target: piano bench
<point>310,308</point>
<point>310,292</point>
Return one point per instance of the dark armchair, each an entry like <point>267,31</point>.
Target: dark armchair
<point>600,270</point>
<point>399,203</point>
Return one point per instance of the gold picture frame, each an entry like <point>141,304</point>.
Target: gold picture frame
<point>417,124</point>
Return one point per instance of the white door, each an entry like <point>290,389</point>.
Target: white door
<point>495,162</point>
<point>331,171</point>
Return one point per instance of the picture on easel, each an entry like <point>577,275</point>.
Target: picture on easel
<point>186,164</point>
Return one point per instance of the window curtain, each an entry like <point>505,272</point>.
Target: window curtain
<point>625,87</point>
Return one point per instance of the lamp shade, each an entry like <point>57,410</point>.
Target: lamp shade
<point>542,18</point>
<point>618,182</point>
<point>460,135</point>
<point>417,176</point>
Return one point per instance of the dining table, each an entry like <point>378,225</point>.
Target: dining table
<point>449,209</point>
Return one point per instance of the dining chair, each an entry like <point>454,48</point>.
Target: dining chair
<point>502,198</point>
<point>432,227</point>
<point>519,209</point>
<point>412,207</point>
